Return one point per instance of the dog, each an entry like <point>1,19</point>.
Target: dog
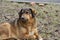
<point>22,28</point>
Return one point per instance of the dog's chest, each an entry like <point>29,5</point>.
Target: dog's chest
<point>22,31</point>
<point>28,31</point>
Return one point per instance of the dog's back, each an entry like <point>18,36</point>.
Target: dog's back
<point>4,30</point>
<point>8,30</point>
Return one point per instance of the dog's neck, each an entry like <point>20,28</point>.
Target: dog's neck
<point>27,24</point>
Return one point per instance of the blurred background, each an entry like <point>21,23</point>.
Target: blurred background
<point>52,1</point>
<point>48,15</point>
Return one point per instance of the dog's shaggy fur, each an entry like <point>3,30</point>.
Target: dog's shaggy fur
<point>22,28</point>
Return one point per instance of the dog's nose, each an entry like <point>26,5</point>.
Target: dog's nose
<point>23,18</point>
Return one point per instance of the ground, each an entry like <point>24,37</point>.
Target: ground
<point>48,17</point>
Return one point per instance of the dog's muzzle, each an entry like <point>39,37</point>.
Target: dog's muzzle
<point>24,19</point>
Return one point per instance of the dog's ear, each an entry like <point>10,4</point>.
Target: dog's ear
<point>34,13</point>
<point>20,13</point>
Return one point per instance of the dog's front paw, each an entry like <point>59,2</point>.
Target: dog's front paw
<point>40,38</point>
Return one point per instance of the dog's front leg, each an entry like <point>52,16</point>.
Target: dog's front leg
<point>37,37</point>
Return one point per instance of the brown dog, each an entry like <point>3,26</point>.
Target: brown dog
<point>24,27</point>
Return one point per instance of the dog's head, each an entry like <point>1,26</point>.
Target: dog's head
<point>26,14</point>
